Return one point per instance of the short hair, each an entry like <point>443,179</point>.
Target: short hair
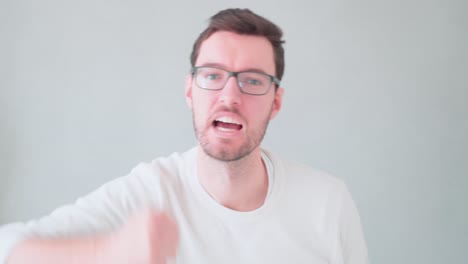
<point>246,22</point>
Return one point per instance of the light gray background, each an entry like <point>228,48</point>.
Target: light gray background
<point>376,94</point>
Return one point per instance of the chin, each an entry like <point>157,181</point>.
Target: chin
<point>227,154</point>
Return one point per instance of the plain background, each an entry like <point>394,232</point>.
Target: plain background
<point>376,94</point>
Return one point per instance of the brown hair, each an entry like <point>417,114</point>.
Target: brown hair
<point>244,21</point>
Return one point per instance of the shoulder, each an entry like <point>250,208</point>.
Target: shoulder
<point>148,183</point>
<point>310,193</point>
<point>167,168</point>
<point>303,177</point>
<point>319,202</point>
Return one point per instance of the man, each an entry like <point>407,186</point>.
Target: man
<point>225,201</point>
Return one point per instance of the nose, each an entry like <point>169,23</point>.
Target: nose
<point>231,94</point>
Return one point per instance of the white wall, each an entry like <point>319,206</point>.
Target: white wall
<point>376,94</point>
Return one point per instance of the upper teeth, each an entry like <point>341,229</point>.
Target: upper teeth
<point>225,119</point>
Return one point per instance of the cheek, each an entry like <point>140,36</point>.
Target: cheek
<point>201,105</point>
<point>259,111</point>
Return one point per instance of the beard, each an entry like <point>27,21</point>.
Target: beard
<point>227,152</point>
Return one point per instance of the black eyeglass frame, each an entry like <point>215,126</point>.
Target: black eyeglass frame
<point>272,78</point>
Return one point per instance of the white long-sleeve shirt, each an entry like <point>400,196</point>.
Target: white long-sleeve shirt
<point>308,216</point>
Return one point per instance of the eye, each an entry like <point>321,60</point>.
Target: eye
<point>212,76</point>
<point>253,82</point>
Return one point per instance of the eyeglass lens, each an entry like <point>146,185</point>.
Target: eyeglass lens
<point>249,82</point>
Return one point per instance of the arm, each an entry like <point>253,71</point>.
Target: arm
<point>101,212</point>
<point>79,250</point>
<point>148,237</point>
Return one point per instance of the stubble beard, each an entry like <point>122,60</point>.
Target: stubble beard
<point>228,153</point>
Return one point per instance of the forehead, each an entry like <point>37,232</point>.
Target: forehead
<point>237,52</point>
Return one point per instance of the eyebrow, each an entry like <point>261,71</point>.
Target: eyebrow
<point>222,66</point>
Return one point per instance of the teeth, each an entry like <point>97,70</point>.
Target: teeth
<point>226,119</point>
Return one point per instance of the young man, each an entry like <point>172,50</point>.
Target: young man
<point>226,200</point>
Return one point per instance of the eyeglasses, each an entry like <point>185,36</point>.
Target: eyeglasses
<point>249,82</point>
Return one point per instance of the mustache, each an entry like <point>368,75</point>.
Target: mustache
<point>224,108</point>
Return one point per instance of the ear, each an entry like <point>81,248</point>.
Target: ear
<point>188,90</point>
<point>277,103</point>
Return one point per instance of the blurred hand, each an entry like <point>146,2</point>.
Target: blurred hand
<point>148,237</point>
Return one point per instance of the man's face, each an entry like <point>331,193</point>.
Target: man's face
<point>228,123</point>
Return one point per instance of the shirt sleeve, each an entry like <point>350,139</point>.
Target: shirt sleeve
<point>10,235</point>
<point>351,244</point>
<point>101,211</point>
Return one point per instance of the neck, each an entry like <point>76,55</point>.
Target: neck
<point>241,185</point>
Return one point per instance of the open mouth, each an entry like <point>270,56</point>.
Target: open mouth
<point>226,123</point>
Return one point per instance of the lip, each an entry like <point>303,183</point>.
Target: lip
<point>222,132</point>
<point>230,115</point>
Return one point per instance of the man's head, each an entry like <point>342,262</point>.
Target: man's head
<point>230,88</point>
<point>244,22</point>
